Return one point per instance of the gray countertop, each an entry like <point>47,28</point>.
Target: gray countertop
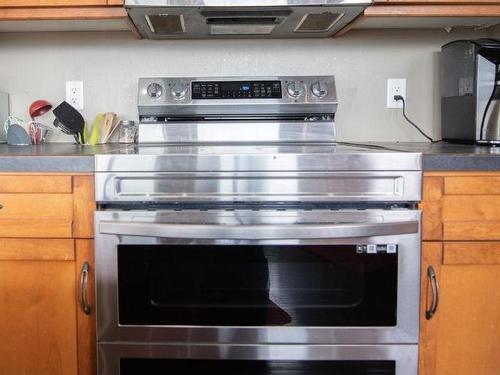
<point>64,157</point>
<point>50,157</point>
<point>444,156</point>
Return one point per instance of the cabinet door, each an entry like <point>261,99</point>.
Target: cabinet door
<point>429,307</point>
<point>462,337</point>
<point>85,277</point>
<point>49,3</point>
<point>37,307</point>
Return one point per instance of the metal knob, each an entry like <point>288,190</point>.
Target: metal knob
<point>155,90</point>
<point>319,89</point>
<point>178,90</point>
<point>295,89</point>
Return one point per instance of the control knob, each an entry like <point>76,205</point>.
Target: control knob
<point>155,90</point>
<point>319,89</point>
<point>178,90</point>
<point>295,89</point>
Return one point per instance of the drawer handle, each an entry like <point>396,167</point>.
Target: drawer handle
<point>84,279</point>
<point>1,206</point>
<point>431,274</point>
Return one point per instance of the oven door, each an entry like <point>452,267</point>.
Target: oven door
<point>134,359</point>
<point>258,276</point>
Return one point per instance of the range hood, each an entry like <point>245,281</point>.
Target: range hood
<point>216,19</point>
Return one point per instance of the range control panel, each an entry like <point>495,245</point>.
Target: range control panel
<point>236,96</point>
<point>236,89</point>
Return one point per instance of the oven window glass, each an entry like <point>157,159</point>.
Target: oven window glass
<point>144,366</point>
<point>227,285</point>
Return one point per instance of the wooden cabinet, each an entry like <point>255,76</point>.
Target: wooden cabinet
<point>427,14</point>
<point>421,14</point>
<point>461,214</point>
<point>462,337</point>
<point>37,315</point>
<point>58,3</point>
<point>45,241</point>
<point>32,15</point>
<point>460,207</point>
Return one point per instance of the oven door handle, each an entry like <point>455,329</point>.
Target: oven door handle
<point>258,232</point>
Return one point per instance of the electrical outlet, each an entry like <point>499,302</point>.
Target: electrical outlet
<point>395,86</point>
<point>74,94</point>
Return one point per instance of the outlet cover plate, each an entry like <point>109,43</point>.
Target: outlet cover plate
<point>395,86</point>
<point>74,94</point>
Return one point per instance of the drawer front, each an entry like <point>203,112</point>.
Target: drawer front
<point>474,185</point>
<point>37,249</point>
<point>471,253</point>
<point>35,184</point>
<point>36,215</point>
<point>471,217</point>
<point>50,3</point>
<point>461,208</point>
<point>31,206</point>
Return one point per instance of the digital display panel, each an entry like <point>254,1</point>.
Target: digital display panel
<point>236,90</point>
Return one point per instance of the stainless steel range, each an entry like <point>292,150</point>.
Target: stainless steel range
<point>239,238</point>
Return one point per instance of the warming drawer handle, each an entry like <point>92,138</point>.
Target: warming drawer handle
<point>258,232</point>
<point>84,279</point>
<point>431,274</point>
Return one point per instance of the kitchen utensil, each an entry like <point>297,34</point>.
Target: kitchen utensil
<point>109,122</point>
<point>10,121</point>
<point>17,136</point>
<point>66,130</point>
<point>38,131</point>
<point>69,120</point>
<point>115,126</point>
<point>39,107</point>
<point>85,133</point>
<point>94,136</point>
<point>4,114</point>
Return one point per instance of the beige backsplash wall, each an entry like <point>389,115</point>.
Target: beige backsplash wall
<point>34,66</point>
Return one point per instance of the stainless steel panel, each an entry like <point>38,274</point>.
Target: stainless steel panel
<point>405,356</point>
<point>485,81</point>
<point>197,26</point>
<point>406,330</point>
<point>259,187</point>
<point>171,105</point>
<point>257,232</point>
<point>242,131</point>
<point>256,157</point>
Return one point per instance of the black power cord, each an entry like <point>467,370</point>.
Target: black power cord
<point>400,98</point>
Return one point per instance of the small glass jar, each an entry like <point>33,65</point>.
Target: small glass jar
<point>128,131</point>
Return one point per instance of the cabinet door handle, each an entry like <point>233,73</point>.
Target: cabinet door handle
<point>84,279</point>
<point>431,274</point>
<point>1,206</point>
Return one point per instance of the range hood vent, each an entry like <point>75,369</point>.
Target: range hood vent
<point>166,24</point>
<point>318,22</point>
<point>201,19</point>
